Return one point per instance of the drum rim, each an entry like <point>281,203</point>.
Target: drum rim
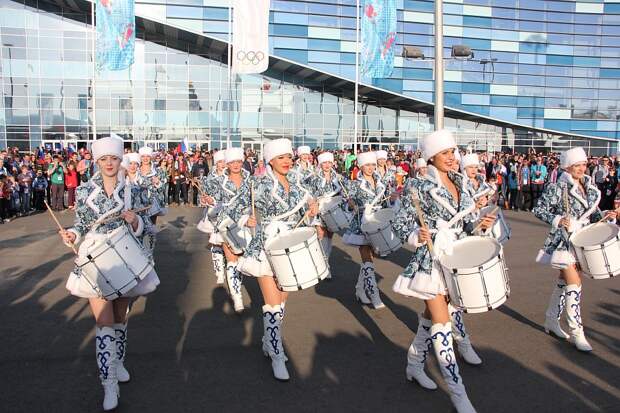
<point>615,238</point>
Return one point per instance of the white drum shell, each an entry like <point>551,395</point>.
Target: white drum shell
<point>501,231</point>
<point>302,264</point>
<point>597,249</point>
<point>377,227</point>
<point>238,238</point>
<point>114,264</point>
<point>476,275</point>
<point>333,214</point>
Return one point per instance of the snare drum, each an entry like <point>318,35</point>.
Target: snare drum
<point>333,214</point>
<point>597,249</point>
<point>501,231</point>
<point>238,238</point>
<point>114,263</point>
<point>297,259</point>
<point>377,227</point>
<point>476,275</point>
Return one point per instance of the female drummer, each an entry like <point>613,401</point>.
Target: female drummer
<point>387,175</point>
<point>304,167</point>
<point>325,183</point>
<point>150,172</point>
<point>576,191</point>
<point>223,192</point>
<point>103,196</point>
<point>281,203</point>
<point>449,212</point>
<point>217,252</point>
<point>366,192</point>
<point>476,182</point>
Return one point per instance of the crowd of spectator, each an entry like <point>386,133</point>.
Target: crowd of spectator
<point>28,180</point>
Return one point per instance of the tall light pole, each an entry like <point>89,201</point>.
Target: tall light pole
<point>438,64</point>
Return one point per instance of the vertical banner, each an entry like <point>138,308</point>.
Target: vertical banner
<point>250,30</point>
<point>116,34</point>
<point>378,38</point>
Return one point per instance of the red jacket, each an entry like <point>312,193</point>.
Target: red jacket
<point>71,179</point>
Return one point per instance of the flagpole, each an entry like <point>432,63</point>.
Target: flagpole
<point>94,81</point>
<point>357,75</point>
<point>230,11</point>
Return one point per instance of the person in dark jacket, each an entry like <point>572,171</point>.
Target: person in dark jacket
<point>39,186</point>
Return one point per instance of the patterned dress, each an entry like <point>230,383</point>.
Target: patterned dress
<point>209,218</point>
<point>366,199</point>
<point>484,189</point>
<point>448,220</point>
<point>551,209</point>
<point>277,211</point>
<point>155,192</point>
<point>321,188</point>
<point>93,206</point>
<point>303,173</point>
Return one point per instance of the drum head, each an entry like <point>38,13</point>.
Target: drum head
<point>377,220</point>
<point>594,234</point>
<point>289,239</point>
<point>471,252</point>
<point>328,203</point>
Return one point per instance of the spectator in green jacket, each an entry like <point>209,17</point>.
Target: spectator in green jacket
<point>56,174</point>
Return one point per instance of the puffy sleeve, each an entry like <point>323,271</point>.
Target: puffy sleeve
<point>550,207</point>
<point>405,224</point>
<point>82,220</point>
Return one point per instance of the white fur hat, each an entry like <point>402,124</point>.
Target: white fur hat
<point>325,157</point>
<point>469,160</point>
<point>276,148</point>
<point>366,158</point>
<point>436,142</point>
<point>219,155</point>
<point>146,151</point>
<point>107,146</point>
<point>420,163</point>
<point>303,150</point>
<point>133,157</point>
<point>234,154</point>
<point>381,154</point>
<point>573,156</point>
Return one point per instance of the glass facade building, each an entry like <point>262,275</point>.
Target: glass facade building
<point>544,74</point>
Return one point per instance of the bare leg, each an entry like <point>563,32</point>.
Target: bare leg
<point>103,311</point>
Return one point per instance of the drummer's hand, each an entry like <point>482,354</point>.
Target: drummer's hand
<point>611,215</point>
<point>424,235</point>
<point>482,202</point>
<point>394,196</point>
<point>564,222</point>
<point>313,209</point>
<point>206,200</point>
<point>131,218</point>
<point>251,223</point>
<point>68,237</point>
<point>320,231</point>
<point>351,204</point>
<point>487,221</point>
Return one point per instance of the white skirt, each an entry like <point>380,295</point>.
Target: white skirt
<point>356,240</point>
<point>559,259</point>
<point>255,267</point>
<point>422,285</point>
<point>216,238</point>
<point>80,287</point>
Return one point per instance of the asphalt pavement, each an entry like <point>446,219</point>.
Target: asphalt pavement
<point>189,352</point>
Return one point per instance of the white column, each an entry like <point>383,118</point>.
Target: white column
<point>438,64</point>
<point>357,76</point>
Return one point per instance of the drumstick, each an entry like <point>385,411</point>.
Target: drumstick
<point>302,219</point>
<point>253,208</point>
<point>58,223</point>
<point>491,213</point>
<point>135,211</point>
<point>346,193</point>
<point>418,208</point>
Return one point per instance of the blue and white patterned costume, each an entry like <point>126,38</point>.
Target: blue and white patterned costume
<point>367,199</point>
<point>277,209</point>
<point>303,173</point>
<point>93,206</point>
<point>155,192</point>
<point>484,188</point>
<point>319,186</point>
<point>550,208</point>
<point>447,219</point>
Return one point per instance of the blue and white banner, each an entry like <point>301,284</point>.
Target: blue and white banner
<point>116,34</point>
<point>378,38</point>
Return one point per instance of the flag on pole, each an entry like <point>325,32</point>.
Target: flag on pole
<point>378,38</point>
<point>116,34</point>
<point>250,30</point>
<point>184,145</point>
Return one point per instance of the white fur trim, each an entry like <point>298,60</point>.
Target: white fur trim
<point>133,157</point>
<point>325,157</point>
<point>420,163</point>
<point>413,239</point>
<point>381,154</point>
<point>78,237</point>
<point>107,146</point>
<point>216,239</point>
<point>145,151</point>
<point>469,160</point>
<point>573,156</point>
<point>140,228</point>
<point>355,239</point>
<point>556,221</point>
<point>255,268</point>
<point>276,148</point>
<point>436,142</point>
<point>422,285</point>
<point>366,158</point>
<point>219,156</point>
<point>234,154</point>
<point>303,150</point>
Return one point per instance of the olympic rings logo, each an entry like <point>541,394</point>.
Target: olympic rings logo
<point>250,57</point>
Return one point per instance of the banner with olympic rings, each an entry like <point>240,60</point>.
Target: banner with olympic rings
<point>250,30</point>
<point>378,38</point>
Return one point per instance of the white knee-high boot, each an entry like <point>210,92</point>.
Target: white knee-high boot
<point>325,247</point>
<point>219,263</point>
<point>556,306</point>
<point>366,289</point>
<point>417,354</point>
<point>441,335</point>
<point>120,330</point>
<point>462,338</point>
<point>234,285</point>
<point>272,341</point>
<point>105,351</point>
<point>573,316</point>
